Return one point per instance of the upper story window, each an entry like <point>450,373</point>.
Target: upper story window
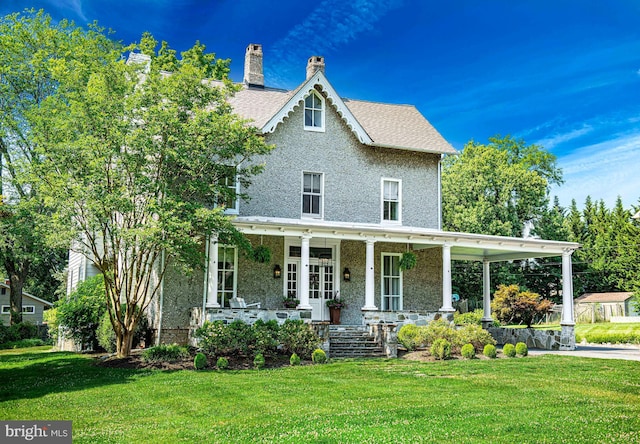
<point>391,200</point>
<point>229,195</point>
<point>314,112</point>
<point>312,190</point>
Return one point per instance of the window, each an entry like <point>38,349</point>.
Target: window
<point>227,274</point>
<point>391,200</point>
<point>229,195</point>
<point>391,282</point>
<point>312,195</point>
<point>26,309</point>
<point>313,112</point>
<point>4,290</point>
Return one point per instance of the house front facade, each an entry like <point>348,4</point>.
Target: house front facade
<point>349,188</point>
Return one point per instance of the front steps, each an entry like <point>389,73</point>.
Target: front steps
<point>353,341</point>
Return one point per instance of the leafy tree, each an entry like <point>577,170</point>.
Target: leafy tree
<point>81,311</point>
<point>135,170</point>
<point>29,43</point>
<point>511,305</point>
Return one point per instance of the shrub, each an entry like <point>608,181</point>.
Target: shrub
<point>294,359</point>
<point>441,349</point>
<point>216,338</point>
<point>509,350</point>
<point>610,338</point>
<point>489,351</point>
<point>258,361</point>
<point>513,306</point>
<point>50,317</point>
<point>468,351</point>
<point>22,343</point>
<point>439,329</point>
<point>472,317</point>
<point>319,356</point>
<point>298,337</point>
<point>266,337</point>
<point>200,361</point>
<point>222,363</point>
<point>81,311</point>
<point>475,335</point>
<point>165,353</point>
<point>521,349</point>
<point>411,336</point>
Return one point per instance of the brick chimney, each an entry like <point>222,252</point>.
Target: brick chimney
<point>315,63</point>
<point>253,75</point>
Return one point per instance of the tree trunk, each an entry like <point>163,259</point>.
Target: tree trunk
<point>15,292</point>
<point>124,339</point>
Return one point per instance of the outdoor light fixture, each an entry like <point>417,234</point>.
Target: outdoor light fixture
<point>346,275</point>
<point>277,272</point>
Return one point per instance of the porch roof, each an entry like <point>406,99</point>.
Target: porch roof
<point>464,246</point>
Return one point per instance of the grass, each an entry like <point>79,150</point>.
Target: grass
<point>526,400</point>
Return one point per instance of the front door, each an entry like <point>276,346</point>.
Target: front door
<point>321,288</point>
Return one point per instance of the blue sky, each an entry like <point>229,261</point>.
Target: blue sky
<point>564,74</point>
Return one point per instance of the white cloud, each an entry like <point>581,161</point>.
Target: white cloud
<point>331,25</point>
<point>556,139</point>
<point>75,6</point>
<point>604,171</point>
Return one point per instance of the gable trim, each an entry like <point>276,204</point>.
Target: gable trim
<point>331,96</point>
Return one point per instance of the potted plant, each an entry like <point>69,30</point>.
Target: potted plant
<point>262,254</point>
<point>408,260</point>
<point>335,305</point>
<point>290,302</point>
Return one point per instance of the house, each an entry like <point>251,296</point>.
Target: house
<point>351,186</point>
<point>594,307</point>
<point>32,307</point>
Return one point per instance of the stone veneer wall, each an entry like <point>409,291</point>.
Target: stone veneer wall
<point>542,339</point>
<point>399,318</point>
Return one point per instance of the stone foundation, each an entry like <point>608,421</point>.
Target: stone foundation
<point>398,318</point>
<point>542,339</point>
<point>387,336</point>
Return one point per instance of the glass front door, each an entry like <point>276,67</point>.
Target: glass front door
<point>321,288</point>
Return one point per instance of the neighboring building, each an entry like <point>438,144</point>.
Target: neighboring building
<point>594,307</point>
<point>32,307</point>
<point>349,188</point>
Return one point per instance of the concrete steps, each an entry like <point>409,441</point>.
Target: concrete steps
<point>351,341</point>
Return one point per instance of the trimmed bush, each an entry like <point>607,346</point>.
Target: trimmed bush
<point>489,351</point>
<point>200,361</point>
<point>165,353</point>
<point>411,336</point>
<point>521,349</point>
<point>222,363</point>
<point>439,329</point>
<point>265,337</point>
<point>468,351</point>
<point>298,337</point>
<point>509,350</point>
<point>475,335</point>
<point>294,359</point>
<point>472,317</point>
<point>258,361</point>
<point>441,349</point>
<point>319,356</point>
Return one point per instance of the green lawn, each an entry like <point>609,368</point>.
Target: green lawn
<point>602,332</point>
<point>535,399</point>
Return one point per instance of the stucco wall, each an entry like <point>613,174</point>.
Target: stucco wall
<point>352,175</point>
<point>181,294</point>
<point>255,280</point>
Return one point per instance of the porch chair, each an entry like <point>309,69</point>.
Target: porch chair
<point>240,303</point>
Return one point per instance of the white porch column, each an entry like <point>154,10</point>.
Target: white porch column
<point>212,273</point>
<point>369,292</point>
<point>303,291</point>
<point>486,291</point>
<point>567,289</point>
<point>447,306</point>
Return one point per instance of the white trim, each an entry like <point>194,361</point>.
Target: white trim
<point>382,201</point>
<point>312,216</point>
<point>234,292</point>
<point>6,309</point>
<point>323,111</point>
<point>35,298</point>
<point>318,79</point>
<point>382,277</point>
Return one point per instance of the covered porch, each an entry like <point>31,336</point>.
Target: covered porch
<point>319,260</point>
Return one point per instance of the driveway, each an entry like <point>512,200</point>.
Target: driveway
<point>618,351</point>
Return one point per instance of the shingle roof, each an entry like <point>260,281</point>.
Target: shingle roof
<point>619,296</point>
<point>388,125</point>
<point>398,126</point>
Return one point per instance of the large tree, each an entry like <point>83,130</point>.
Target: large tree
<point>136,164</point>
<point>28,44</point>
<point>499,188</point>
